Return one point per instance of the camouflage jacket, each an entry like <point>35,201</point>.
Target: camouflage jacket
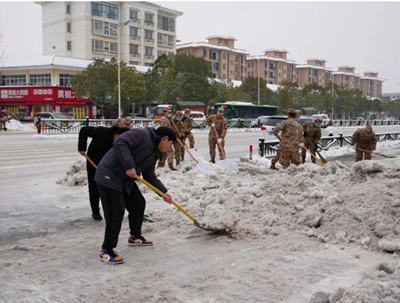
<point>364,140</point>
<point>220,125</point>
<point>291,134</point>
<point>313,133</point>
<point>177,126</point>
<point>187,124</point>
<point>165,122</point>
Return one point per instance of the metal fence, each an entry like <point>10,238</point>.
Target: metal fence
<point>268,149</point>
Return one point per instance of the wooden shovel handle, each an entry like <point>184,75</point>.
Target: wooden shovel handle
<point>219,144</point>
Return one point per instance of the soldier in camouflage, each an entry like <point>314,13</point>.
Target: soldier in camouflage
<point>364,138</point>
<point>218,123</point>
<point>311,136</point>
<point>177,126</point>
<point>290,139</point>
<point>169,153</point>
<point>188,126</point>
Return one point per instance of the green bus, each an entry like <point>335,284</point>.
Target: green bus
<point>245,110</point>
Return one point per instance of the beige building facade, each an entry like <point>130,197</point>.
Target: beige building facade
<point>371,85</point>
<point>346,77</point>
<point>273,66</point>
<point>314,71</point>
<point>227,62</point>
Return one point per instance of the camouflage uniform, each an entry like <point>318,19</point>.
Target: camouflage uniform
<point>290,140</point>
<point>221,126</point>
<point>169,153</point>
<point>177,126</point>
<point>364,138</point>
<point>188,126</point>
<point>311,137</point>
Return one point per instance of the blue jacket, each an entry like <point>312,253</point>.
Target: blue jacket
<point>137,149</point>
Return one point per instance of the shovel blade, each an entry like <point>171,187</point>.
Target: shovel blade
<point>229,164</point>
<point>207,227</point>
<point>196,154</point>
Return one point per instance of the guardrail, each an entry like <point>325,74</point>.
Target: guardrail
<point>268,149</point>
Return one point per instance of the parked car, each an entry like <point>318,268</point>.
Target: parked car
<point>50,115</point>
<point>261,119</point>
<point>198,118</point>
<point>270,123</point>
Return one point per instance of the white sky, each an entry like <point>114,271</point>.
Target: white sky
<point>359,34</point>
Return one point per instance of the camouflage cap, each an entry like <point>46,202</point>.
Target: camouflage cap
<point>291,111</point>
<point>178,114</point>
<point>187,111</point>
<point>220,110</point>
<point>319,120</point>
<point>167,109</point>
<point>368,128</point>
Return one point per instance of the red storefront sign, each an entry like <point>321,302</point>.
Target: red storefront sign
<point>39,94</point>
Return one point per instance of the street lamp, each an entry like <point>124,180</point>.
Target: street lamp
<point>119,76</point>
<point>332,97</point>
<point>258,70</point>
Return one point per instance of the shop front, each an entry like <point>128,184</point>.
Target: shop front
<point>25,101</point>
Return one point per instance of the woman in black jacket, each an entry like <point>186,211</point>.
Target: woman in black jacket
<point>102,142</point>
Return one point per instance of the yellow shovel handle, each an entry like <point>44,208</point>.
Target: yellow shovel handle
<point>165,196</point>
<point>91,161</point>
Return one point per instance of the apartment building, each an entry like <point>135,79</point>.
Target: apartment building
<point>371,85</point>
<point>314,71</point>
<point>273,66</point>
<point>227,62</point>
<point>391,96</point>
<point>137,32</point>
<point>346,77</point>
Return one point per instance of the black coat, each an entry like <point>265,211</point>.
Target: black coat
<point>137,148</point>
<point>102,141</point>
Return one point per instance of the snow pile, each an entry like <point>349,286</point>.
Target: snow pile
<point>76,175</point>
<point>15,125</point>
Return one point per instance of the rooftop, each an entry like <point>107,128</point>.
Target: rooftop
<point>209,45</point>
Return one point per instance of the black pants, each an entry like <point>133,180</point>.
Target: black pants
<point>94,196</point>
<point>114,204</point>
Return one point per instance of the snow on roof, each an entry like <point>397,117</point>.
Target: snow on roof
<point>39,61</point>
<point>222,37</point>
<point>314,67</point>
<point>316,59</point>
<point>371,78</point>
<point>209,45</point>
<point>236,83</point>
<point>276,50</point>
<point>346,66</point>
<point>345,73</point>
<point>260,57</point>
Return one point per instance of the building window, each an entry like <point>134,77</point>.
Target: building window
<point>148,53</point>
<point>230,73</point>
<point>13,80</point>
<point>97,45</point>
<point>134,33</point>
<point>243,59</point>
<point>65,79</point>
<point>134,62</point>
<point>170,54</point>
<point>236,58</point>
<point>68,27</point>
<point>236,69</point>
<point>224,66</point>
<point>230,62</point>
<point>206,53</point>
<point>69,46</point>
<point>159,53</point>
<point>224,55</point>
<point>224,76</point>
<point>243,78</point>
<point>215,66</point>
<point>171,40</point>
<point>134,15</point>
<point>266,64</point>
<point>114,47</point>
<point>266,74</point>
<point>166,24</point>
<point>243,69</point>
<point>215,55</point>
<point>40,79</point>
<point>149,19</point>
<point>113,30</point>
<point>68,8</point>
<point>134,50</point>
<point>148,36</point>
<point>98,27</point>
<point>105,10</point>
<point>219,41</point>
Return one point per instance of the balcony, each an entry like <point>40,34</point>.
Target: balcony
<point>149,57</point>
<point>149,23</point>
<point>134,55</point>
<point>135,20</point>
<point>149,40</point>
<point>136,38</point>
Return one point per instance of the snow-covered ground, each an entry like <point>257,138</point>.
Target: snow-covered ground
<point>304,234</point>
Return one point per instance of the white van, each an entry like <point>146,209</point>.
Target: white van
<point>325,118</point>
<point>198,118</point>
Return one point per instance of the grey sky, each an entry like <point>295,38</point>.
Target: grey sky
<point>359,34</point>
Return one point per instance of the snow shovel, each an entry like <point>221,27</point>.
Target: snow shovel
<point>203,167</point>
<point>318,160</point>
<point>376,153</point>
<point>226,164</point>
<point>202,226</point>
<point>322,158</point>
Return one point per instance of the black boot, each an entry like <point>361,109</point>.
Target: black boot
<point>96,216</point>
